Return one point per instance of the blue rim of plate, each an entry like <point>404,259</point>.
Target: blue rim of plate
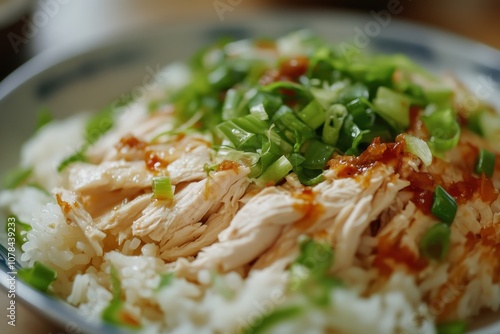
<point>483,60</point>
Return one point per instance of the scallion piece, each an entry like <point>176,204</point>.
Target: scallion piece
<point>43,118</point>
<point>489,125</point>
<point>293,128</point>
<point>444,206</point>
<point>451,327</point>
<point>334,118</point>
<point>313,114</point>
<point>444,130</point>
<point>230,107</point>
<point>418,147</point>
<point>78,156</point>
<point>162,188</point>
<point>17,177</point>
<point>39,276</point>
<point>393,107</point>
<point>165,280</point>
<point>114,313</point>
<point>485,163</point>
<point>317,155</point>
<point>239,137</point>
<point>275,172</point>
<point>310,272</point>
<point>435,242</point>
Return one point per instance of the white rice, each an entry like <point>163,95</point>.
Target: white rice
<point>228,303</point>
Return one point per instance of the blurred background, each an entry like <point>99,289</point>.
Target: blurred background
<point>30,27</point>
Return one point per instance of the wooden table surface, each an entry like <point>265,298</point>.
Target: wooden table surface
<point>84,20</point>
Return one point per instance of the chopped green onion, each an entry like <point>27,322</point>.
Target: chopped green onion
<point>317,257</point>
<point>444,206</point>
<point>240,138</point>
<point>313,114</point>
<point>165,280</point>
<point>485,163</point>
<point>393,107</point>
<point>352,92</point>
<point>310,272</point>
<point>225,76</point>
<point>78,156</point>
<point>99,124</point>
<point>230,108</point>
<point>294,129</point>
<point>299,90</point>
<point>96,127</point>
<point>222,287</point>
<point>113,313</point>
<point>418,147</point>
<point>435,242</point>
<point>162,188</point>
<point>444,130</point>
<point>270,153</point>
<point>275,172</point>
<point>334,118</point>
<point>309,177</point>
<point>39,276</point>
<point>269,102</point>
<point>44,117</point>
<point>17,177</point>
<point>362,113</point>
<point>267,321</point>
<point>451,327</point>
<point>317,155</point>
<point>251,123</point>
<point>489,124</point>
<point>438,93</point>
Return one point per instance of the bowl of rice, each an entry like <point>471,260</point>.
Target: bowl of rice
<point>293,175</point>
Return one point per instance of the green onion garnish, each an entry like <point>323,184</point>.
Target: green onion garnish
<point>485,163</point>
<point>39,276</point>
<point>451,327</point>
<point>444,206</point>
<point>43,118</point>
<point>418,147</point>
<point>312,114</point>
<point>334,119</point>
<point>444,130</point>
<point>310,275</point>
<point>435,242</point>
<point>162,188</point>
<point>114,312</point>
<point>275,172</point>
<point>393,107</point>
<point>16,177</point>
<point>78,156</point>
<point>165,280</point>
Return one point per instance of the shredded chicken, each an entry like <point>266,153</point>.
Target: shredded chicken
<point>74,211</point>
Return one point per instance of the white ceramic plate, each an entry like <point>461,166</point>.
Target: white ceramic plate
<point>68,81</point>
